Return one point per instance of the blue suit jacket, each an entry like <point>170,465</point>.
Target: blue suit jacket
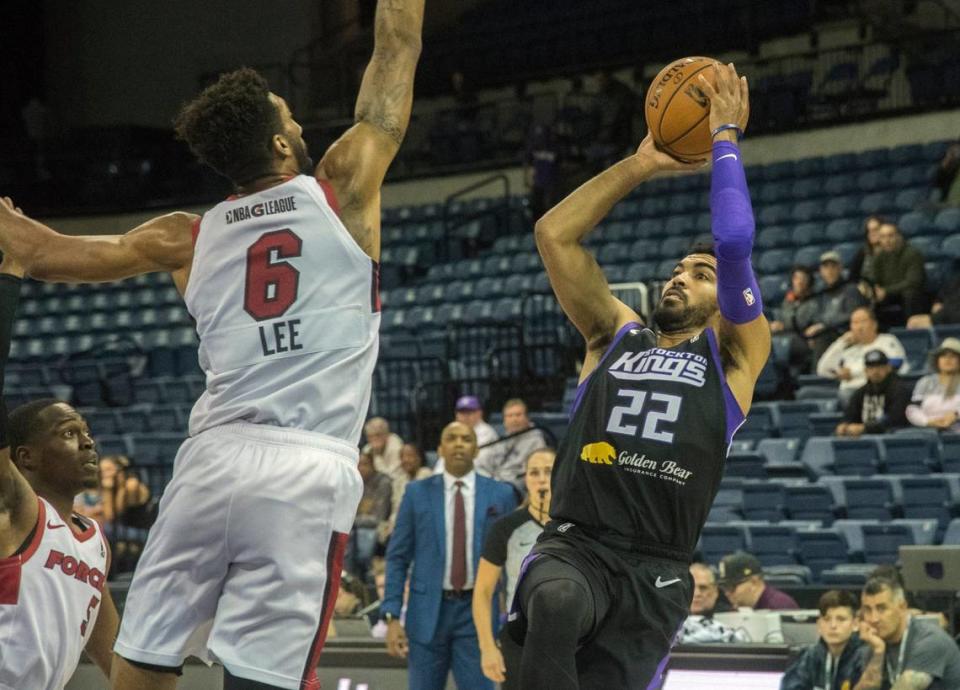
<point>419,537</point>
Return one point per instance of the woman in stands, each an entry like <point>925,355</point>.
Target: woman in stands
<point>936,397</point>
<point>861,267</point>
<point>507,544</point>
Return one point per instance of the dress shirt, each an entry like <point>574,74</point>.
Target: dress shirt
<point>468,490</point>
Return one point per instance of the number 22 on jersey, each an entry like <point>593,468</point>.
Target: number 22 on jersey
<point>622,415</point>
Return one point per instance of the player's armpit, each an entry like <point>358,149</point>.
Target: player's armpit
<point>746,346</point>
<point>161,244</point>
<point>100,645</point>
<point>913,680</point>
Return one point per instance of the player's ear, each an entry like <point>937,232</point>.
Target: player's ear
<point>24,458</point>
<point>281,146</point>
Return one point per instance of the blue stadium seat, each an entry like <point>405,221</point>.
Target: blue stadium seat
<point>779,451</point>
<point>673,248</point>
<point>913,223</point>
<point>774,237</point>
<point>877,202</point>
<point>852,531</point>
<point>773,544</point>
<point>839,163</point>
<point>745,465</point>
<point>805,234</point>
<point>758,425</point>
<point>774,215</point>
<point>916,342</point>
<point>906,455</point>
<point>952,535</point>
<point>881,543</point>
<point>847,575</point>
<point>951,246</point>
<point>947,221</point>
<point>773,288</point>
<point>873,158</point>
<point>838,185</point>
<point>950,453</point>
<point>101,422</point>
<point>842,207</point>
<point>807,188</point>
<point>641,272</point>
<point>928,245</point>
<point>808,167</point>
<point>155,448</point>
<point>847,251</point>
<point>794,418</point>
<point>869,499</point>
<point>716,541</point>
<point>821,549</point>
<point>906,155</point>
<point>169,418</point>
<point>909,198</point>
<point>113,444</point>
<point>134,419</point>
<point>804,211</point>
<point>810,255</point>
<point>855,456</point>
<point>872,181</point>
<point>810,502</point>
<point>764,501</point>
<point>928,498</point>
<point>645,250</point>
<point>775,261</point>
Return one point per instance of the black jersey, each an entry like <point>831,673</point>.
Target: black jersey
<point>644,454</point>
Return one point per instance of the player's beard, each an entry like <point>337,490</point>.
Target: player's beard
<point>678,316</point>
<point>304,162</point>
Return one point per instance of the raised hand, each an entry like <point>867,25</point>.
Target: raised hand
<point>665,162</point>
<point>730,100</point>
<point>10,265</point>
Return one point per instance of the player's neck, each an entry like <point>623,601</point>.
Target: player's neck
<point>261,182</point>
<point>62,504</point>
<point>674,338</point>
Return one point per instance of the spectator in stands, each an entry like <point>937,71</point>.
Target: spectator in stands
<point>843,360</point>
<point>442,524</point>
<point>741,579</point>
<point>946,305</point>
<point>411,461</point>
<point>506,458</point>
<point>904,653</point>
<point>936,397</point>
<point>127,510</point>
<point>835,302</point>
<point>861,267</point>
<point>947,180</point>
<point>899,278</point>
<point>89,503</point>
<point>542,171</point>
<point>798,314</point>
<point>880,405</point>
<point>372,513</point>
<point>700,626</point>
<point>469,411</point>
<point>383,446</point>
<point>837,660</point>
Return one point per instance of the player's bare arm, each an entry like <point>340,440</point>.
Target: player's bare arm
<point>744,331</point>
<point>100,645</point>
<point>162,244</point>
<point>357,162</point>
<point>18,502</point>
<point>577,279</point>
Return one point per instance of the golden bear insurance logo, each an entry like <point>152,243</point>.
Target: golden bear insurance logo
<point>600,453</point>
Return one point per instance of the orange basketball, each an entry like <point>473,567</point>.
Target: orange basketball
<point>677,110</point>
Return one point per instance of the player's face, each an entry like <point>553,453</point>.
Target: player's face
<point>537,477</point>
<point>800,282</point>
<point>294,134</point>
<point>63,456</point>
<point>458,448</point>
<point>705,591</point>
<point>837,625</point>
<point>515,419</point>
<point>883,612</point>
<point>689,298</point>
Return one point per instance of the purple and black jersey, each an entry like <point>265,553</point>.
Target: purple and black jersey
<point>648,437</point>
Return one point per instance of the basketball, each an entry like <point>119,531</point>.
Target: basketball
<point>677,111</point>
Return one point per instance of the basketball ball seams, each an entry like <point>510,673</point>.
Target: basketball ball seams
<point>659,83</point>
<point>679,89</point>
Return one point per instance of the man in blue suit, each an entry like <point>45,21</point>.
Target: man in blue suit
<point>440,529</point>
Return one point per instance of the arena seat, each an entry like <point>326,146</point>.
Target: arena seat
<point>746,464</point>
<point>811,502</point>
<point>870,498</point>
<point>907,455</point>
<point>716,541</point>
<point>821,549</point>
<point>855,456</point>
<point>773,544</point>
<point>947,221</point>
<point>853,575</point>
<point>764,501</point>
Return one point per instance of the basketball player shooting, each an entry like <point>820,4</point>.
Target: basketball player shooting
<point>607,586</point>
<point>54,599</point>
<point>243,564</point>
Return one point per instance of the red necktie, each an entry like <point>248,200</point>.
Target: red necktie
<point>458,564</point>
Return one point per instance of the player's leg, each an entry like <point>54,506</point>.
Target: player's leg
<point>559,607</point>
<point>286,539</point>
<point>173,596</point>
<point>428,665</point>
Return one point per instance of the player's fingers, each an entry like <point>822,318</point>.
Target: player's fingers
<point>707,88</point>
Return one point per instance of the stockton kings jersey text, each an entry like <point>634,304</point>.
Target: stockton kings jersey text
<point>288,313</point>
<point>648,438</point>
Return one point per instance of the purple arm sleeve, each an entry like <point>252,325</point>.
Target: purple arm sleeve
<point>731,218</point>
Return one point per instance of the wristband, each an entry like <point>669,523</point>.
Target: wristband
<point>723,128</point>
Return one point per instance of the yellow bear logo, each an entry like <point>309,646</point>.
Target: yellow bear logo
<point>600,453</point>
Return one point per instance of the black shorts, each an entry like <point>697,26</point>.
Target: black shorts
<point>639,604</point>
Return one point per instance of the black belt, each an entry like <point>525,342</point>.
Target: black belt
<point>457,593</point>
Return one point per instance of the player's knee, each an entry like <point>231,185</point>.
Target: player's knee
<point>559,601</point>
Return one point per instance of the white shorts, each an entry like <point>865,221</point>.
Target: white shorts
<point>243,564</point>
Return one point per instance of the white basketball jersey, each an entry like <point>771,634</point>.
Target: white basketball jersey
<point>49,600</point>
<point>288,314</point>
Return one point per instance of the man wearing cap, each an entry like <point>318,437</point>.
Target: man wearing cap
<point>835,302</point>
<point>881,404</point>
<point>843,360</point>
<point>741,579</point>
<point>469,411</point>
<point>936,397</point>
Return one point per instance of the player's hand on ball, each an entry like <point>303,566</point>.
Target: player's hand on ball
<point>396,640</point>
<point>663,161</point>
<point>491,661</point>
<point>10,265</point>
<point>730,100</point>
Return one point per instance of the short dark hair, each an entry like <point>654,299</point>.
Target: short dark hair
<point>868,309</point>
<point>836,598</point>
<point>22,424</point>
<point>877,584</point>
<point>229,126</point>
<point>701,248</point>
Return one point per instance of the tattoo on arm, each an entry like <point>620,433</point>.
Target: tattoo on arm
<point>913,680</point>
<point>381,111</point>
<point>872,675</point>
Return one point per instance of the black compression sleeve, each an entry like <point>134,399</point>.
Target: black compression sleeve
<point>9,298</point>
